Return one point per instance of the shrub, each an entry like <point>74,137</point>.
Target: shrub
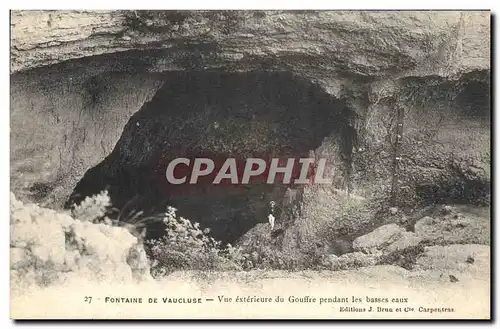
<point>93,209</point>
<point>186,247</point>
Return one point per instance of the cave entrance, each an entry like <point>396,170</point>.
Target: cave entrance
<point>219,116</point>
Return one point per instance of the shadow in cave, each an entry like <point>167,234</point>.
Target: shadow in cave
<point>216,115</point>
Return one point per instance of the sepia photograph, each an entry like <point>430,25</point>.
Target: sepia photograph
<point>250,164</point>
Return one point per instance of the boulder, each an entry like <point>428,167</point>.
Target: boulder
<point>48,247</point>
<point>260,235</point>
<point>379,239</point>
<point>405,241</point>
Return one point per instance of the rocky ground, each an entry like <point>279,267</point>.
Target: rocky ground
<point>449,240</point>
<point>443,262</point>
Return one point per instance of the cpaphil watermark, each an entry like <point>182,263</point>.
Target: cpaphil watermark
<point>234,171</point>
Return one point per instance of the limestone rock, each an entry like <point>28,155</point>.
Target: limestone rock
<point>364,43</point>
<point>458,258</point>
<point>329,261</point>
<point>454,228</point>
<point>49,247</point>
<point>405,241</point>
<point>378,239</point>
<point>258,236</point>
<point>352,260</point>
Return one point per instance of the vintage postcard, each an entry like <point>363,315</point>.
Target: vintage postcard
<point>176,164</point>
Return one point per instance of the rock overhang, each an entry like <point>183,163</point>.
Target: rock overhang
<point>366,59</point>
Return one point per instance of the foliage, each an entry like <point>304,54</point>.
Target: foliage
<point>266,257</point>
<point>92,209</point>
<point>186,247</point>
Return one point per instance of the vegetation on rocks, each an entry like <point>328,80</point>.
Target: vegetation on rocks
<point>48,247</point>
<point>186,247</point>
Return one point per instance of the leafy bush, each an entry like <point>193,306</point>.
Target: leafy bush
<point>186,247</point>
<point>93,209</point>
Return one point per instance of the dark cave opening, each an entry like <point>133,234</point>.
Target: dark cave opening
<point>217,115</point>
<point>474,99</point>
<point>472,95</point>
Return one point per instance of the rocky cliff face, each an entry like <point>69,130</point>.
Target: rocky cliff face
<point>318,44</point>
<point>343,85</point>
